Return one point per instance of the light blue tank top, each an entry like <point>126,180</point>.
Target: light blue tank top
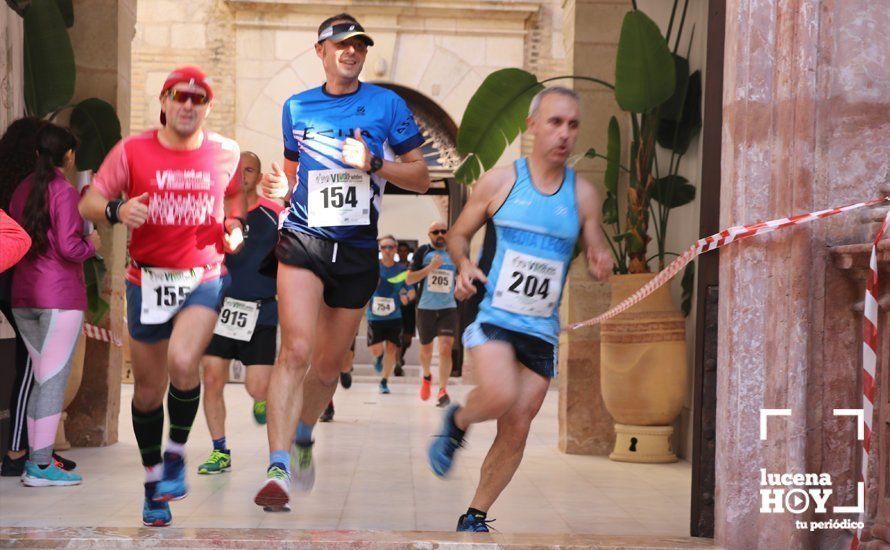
<point>535,236</point>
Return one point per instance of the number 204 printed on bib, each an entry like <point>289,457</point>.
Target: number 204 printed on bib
<point>528,285</point>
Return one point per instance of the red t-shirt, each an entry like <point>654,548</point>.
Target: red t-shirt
<point>186,190</point>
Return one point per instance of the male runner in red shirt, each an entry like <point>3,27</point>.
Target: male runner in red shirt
<point>185,208</point>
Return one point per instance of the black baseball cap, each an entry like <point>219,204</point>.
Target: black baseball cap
<point>341,31</point>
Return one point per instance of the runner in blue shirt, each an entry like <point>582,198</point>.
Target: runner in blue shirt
<point>248,323</point>
<point>536,210</point>
<point>436,310</point>
<point>340,143</point>
<point>385,312</point>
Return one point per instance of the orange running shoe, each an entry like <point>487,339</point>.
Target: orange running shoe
<point>425,384</point>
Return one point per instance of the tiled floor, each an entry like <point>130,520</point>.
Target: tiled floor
<point>372,475</point>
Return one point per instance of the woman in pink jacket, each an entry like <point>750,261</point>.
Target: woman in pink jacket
<point>49,293</point>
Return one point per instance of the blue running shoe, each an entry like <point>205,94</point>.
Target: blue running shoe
<point>378,365</point>
<point>444,445</point>
<point>384,387</point>
<point>50,476</point>
<point>172,486</point>
<point>155,514</point>
<point>473,524</point>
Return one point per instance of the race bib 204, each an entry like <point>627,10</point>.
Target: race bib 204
<point>528,285</point>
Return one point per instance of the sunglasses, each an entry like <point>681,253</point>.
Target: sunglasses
<point>438,231</point>
<point>180,96</point>
<point>387,247</point>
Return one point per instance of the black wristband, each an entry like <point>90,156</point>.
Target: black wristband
<point>112,209</point>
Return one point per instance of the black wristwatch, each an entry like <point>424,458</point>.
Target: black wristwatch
<point>376,164</point>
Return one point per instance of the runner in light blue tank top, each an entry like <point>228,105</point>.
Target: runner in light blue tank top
<point>535,210</point>
<point>535,235</point>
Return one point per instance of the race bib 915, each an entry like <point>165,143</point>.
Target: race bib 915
<point>237,319</point>
<point>528,285</point>
<point>339,197</point>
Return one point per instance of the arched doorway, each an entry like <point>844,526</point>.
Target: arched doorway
<point>440,152</point>
<point>439,149</point>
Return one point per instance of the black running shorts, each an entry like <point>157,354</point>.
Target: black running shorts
<point>436,322</point>
<point>390,331</point>
<point>349,274</point>
<point>260,350</point>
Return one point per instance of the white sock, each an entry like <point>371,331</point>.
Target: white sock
<point>154,473</point>
<point>174,447</point>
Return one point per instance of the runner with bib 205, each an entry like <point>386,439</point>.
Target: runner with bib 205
<point>340,143</point>
<point>535,210</point>
<point>185,207</point>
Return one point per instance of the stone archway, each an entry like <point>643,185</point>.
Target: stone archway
<point>439,150</point>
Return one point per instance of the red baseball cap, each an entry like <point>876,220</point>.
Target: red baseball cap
<point>189,74</point>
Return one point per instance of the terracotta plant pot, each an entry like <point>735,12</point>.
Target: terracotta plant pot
<point>644,371</point>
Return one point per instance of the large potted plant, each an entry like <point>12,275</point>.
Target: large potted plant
<point>644,375</point>
<point>49,78</point>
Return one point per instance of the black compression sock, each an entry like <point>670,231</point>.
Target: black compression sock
<point>182,405</point>
<point>476,513</point>
<point>149,430</point>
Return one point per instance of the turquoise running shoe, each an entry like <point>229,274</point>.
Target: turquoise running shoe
<point>172,486</point>
<point>473,524</point>
<point>50,476</point>
<point>155,514</point>
<point>445,444</point>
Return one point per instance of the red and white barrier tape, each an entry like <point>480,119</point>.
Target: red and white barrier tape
<point>869,364</point>
<point>870,321</point>
<point>98,333</point>
<point>714,242</point>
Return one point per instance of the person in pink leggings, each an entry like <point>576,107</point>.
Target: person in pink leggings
<point>49,294</point>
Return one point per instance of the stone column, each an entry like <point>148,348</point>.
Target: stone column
<point>591,29</point>
<point>102,54</point>
<point>585,426</point>
<point>806,117</point>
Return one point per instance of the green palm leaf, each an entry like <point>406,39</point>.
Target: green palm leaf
<point>49,59</point>
<point>494,117</point>
<point>98,128</point>
<point>644,67</point>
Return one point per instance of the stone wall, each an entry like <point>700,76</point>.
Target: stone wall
<point>12,101</point>
<point>259,54</point>
<point>102,57</point>
<point>806,120</point>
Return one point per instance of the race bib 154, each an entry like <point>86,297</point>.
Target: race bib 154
<point>339,197</point>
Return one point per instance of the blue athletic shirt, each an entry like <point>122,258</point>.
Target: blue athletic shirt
<point>535,236</point>
<point>438,288</point>
<point>386,291</point>
<point>244,280</point>
<point>315,125</point>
